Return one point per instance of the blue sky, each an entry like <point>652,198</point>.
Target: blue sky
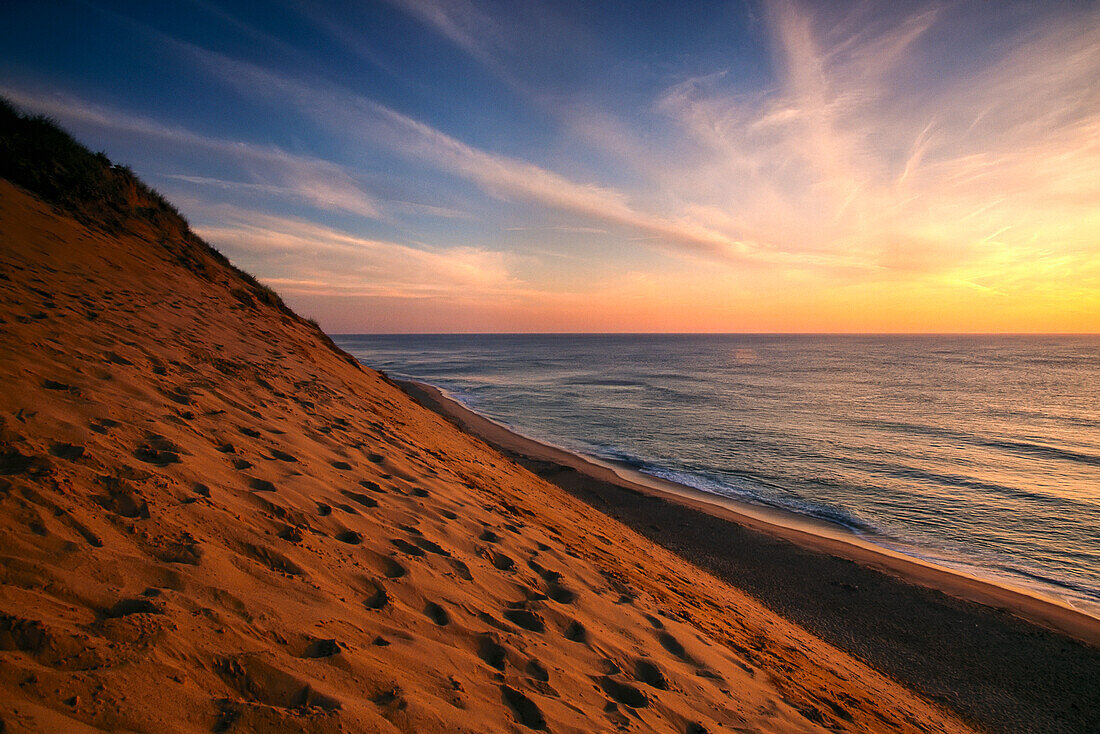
<point>621,166</point>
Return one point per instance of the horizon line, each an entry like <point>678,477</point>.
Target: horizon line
<point>715,333</point>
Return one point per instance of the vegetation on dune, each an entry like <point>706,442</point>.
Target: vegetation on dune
<point>41,157</point>
<point>36,154</point>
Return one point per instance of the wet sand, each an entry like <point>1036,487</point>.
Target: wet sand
<point>1004,660</point>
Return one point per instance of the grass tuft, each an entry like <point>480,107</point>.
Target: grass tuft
<point>38,155</point>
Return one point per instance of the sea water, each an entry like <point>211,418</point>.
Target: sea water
<point>981,453</point>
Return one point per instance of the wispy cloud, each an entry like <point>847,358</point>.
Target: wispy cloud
<point>895,160</point>
<point>303,258</point>
<point>503,177</point>
<point>853,153</point>
<point>460,21</point>
<point>314,181</point>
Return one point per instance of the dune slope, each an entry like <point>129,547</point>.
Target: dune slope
<point>212,520</point>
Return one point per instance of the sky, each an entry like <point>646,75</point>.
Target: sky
<point>527,166</point>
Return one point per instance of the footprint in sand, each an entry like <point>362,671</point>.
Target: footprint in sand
<point>261,485</point>
<point>157,450</point>
<point>322,648</point>
<point>536,670</point>
<point>273,560</point>
<point>121,499</point>
<point>626,594</point>
<point>526,619</point>
<point>560,594</point>
<point>525,711</point>
<point>290,534</point>
<point>377,598</point>
<point>425,544</point>
<point>390,698</point>
<point>406,547</point>
<point>60,386</point>
<point>646,671</point>
<point>283,456</point>
<point>624,693</point>
<point>546,574</point>
<point>673,645</point>
<point>13,462</point>
<point>260,682</point>
<point>126,607</point>
<point>391,569</point>
<point>66,451</point>
<point>350,537</point>
<point>500,561</point>
<point>364,500</point>
<point>437,614</point>
<point>575,632</point>
<point>341,465</point>
<point>492,653</point>
<point>372,486</point>
<point>102,425</point>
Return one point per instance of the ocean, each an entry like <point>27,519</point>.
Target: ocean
<point>980,453</point>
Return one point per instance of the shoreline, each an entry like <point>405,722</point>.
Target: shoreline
<point>810,533</point>
<point>1003,660</point>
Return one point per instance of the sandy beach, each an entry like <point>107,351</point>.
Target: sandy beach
<point>1007,659</point>
<point>213,520</point>
<point>481,367</point>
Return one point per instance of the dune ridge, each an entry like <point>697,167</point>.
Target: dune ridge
<point>213,520</point>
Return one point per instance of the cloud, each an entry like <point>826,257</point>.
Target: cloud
<point>461,22</point>
<point>367,121</point>
<point>299,257</point>
<point>900,153</point>
<point>855,152</point>
<point>314,181</point>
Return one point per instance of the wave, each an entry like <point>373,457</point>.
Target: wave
<point>971,448</point>
<point>1027,447</point>
<point>950,480</point>
<point>605,382</point>
<point>1042,450</point>
<point>1088,592</point>
<point>758,496</point>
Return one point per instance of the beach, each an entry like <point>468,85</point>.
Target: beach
<point>1006,659</point>
<point>214,519</point>
<point>495,368</point>
<point>211,519</point>
<point>976,454</point>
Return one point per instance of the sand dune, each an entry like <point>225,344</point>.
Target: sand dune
<point>211,520</point>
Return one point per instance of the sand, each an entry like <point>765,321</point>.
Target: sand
<point>212,520</point>
<point>1008,661</point>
